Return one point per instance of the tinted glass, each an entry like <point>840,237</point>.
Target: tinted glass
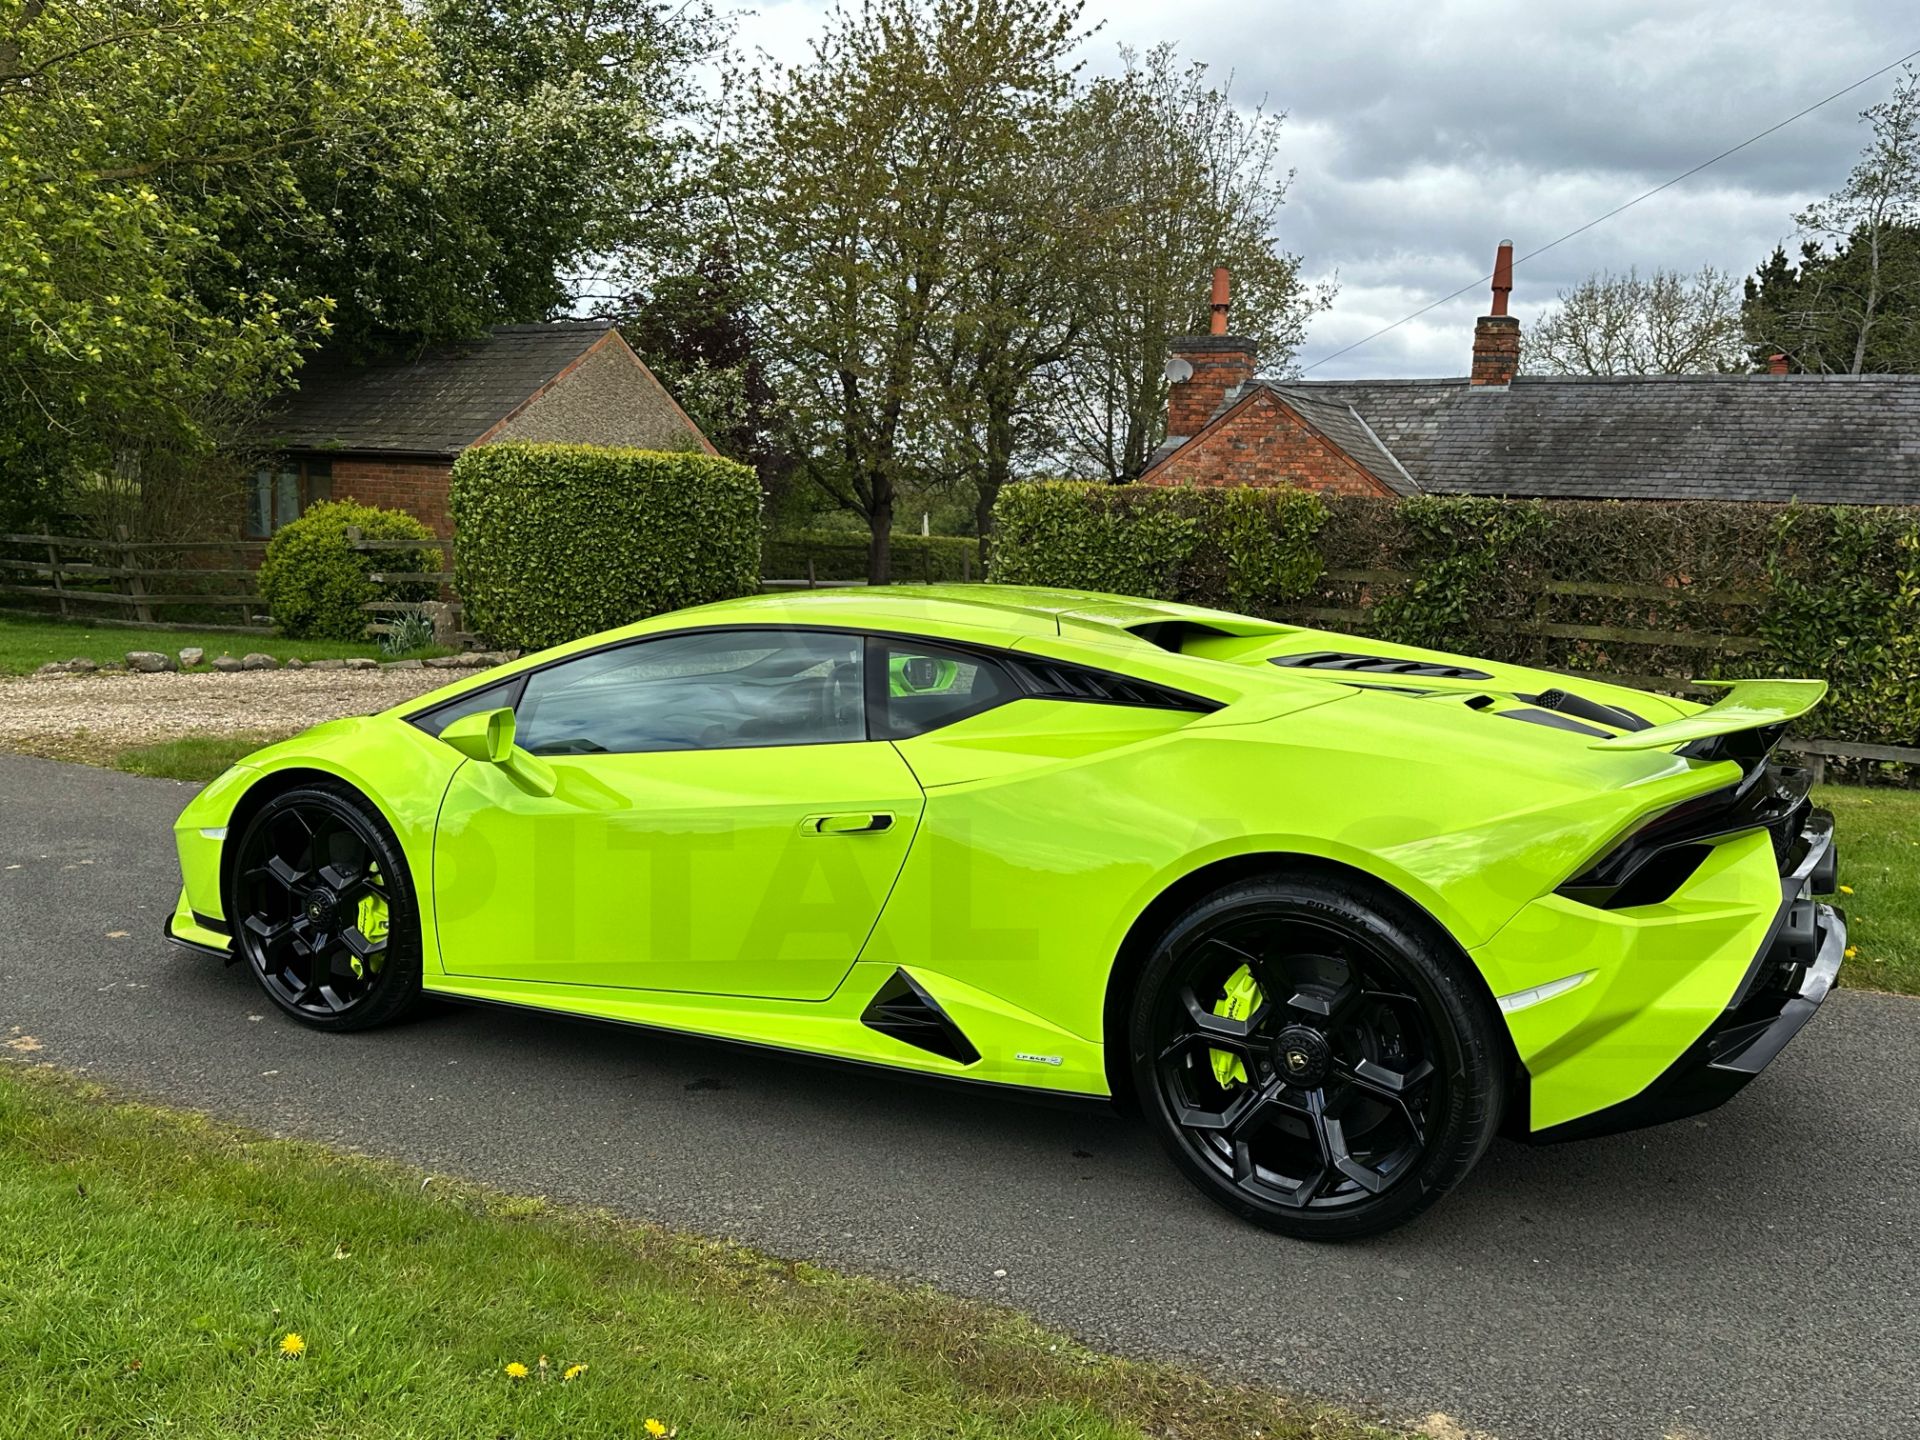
<point>711,691</point>
<point>928,686</point>
<point>477,703</point>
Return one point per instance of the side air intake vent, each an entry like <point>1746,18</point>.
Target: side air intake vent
<point>1060,680</point>
<point>900,1008</point>
<point>1377,665</point>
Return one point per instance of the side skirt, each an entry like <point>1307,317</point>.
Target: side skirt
<point>1065,1099</point>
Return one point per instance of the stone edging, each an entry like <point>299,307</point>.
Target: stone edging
<point>158,662</point>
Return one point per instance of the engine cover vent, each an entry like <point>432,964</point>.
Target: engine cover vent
<point>902,1009</point>
<point>1377,665</point>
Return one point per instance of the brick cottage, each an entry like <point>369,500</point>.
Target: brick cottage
<point>388,434</point>
<point>1819,439</point>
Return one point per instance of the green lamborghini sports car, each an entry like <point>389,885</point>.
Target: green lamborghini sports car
<point>1331,912</point>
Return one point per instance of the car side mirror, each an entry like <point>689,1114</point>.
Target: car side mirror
<point>487,736</point>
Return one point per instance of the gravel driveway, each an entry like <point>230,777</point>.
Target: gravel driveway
<point>68,715</point>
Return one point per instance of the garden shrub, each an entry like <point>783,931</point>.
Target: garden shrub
<point>559,541</point>
<point>1461,553</point>
<point>842,555</point>
<point>1247,547</point>
<point>1843,601</point>
<point>315,585</point>
<point>1624,588</point>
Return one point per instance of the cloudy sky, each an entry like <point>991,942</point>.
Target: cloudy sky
<point>1423,134</point>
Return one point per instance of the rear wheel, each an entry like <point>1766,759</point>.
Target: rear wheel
<point>324,909</point>
<point>1314,1057</point>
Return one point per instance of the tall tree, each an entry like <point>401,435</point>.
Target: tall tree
<point>195,193</point>
<point>1041,214</point>
<point>137,138</point>
<point>867,168</point>
<point>695,331</point>
<point>1665,324</point>
<point>1197,183</point>
<point>1855,307</point>
<point>550,139</point>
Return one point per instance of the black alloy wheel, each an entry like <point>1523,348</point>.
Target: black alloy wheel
<point>1314,1055</point>
<point>324,911</point>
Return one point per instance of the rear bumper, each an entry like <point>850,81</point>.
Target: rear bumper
<point>1789,977</point>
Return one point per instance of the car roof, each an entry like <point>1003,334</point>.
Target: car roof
<point>1106,630</point>
<point>998,609</point>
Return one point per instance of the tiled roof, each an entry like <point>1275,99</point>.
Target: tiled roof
<point>437,403</point>
<point>1344,426</point>
<point>1822,439</point>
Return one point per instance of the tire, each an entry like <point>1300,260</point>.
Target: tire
<point>1315,1055</point>
<point>317,871</point>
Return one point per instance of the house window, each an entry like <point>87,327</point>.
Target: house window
<point>282,490</point>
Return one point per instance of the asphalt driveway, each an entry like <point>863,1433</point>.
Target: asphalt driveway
<point>1752,1273</point>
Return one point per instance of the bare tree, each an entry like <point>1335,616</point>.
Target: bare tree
<point>1666,324</point>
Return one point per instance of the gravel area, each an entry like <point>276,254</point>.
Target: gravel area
<point>63,714</point>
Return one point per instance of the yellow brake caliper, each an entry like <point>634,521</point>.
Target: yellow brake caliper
<point>371,920</point>
<point>1243,994</point>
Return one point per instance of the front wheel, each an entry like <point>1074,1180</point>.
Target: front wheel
<point>324,909</point>
<point>1314,1056</point>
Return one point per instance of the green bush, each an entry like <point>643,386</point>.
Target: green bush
<point>315,585</point>
<point>1461,551</point>
<point>558,541</point>
<point>1844,601</point>
<point>1245,547</point>
<point>842,555</point>
<point>1624,588</point>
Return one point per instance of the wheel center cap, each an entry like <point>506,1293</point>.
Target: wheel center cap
<point>1302,1056</point>
<point>320,907</point>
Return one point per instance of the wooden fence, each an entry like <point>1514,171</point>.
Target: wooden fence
<point>130,581</point>
<point>445,613</point>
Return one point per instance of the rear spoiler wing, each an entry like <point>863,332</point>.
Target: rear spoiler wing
<point>1747,705</point>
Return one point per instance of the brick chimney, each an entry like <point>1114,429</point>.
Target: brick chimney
<point>1496,337</point>
<point>1776,364</point>
<point>1203,368</point>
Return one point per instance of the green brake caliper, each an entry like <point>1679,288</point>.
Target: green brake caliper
<point>1243,994</point>
<point>371,920</point>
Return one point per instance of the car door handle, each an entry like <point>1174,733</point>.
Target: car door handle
<point>860,822</point>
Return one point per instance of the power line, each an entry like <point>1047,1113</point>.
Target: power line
<point>1602,219</point>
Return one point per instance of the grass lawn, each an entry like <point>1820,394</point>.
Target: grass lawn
<point>1878,832</point>
<point>157,1265</point>
<point>192,757</point>
<point>26,645</point>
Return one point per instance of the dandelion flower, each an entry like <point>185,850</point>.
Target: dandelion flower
<point>516,1371</point>
<point>655,1428</point>
<point>1852,950</point>
<point>1846,889</point>
<point>574,1372</point>
<point>291,1345</point>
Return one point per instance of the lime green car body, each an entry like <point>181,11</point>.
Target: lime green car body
<point>1014,863</point>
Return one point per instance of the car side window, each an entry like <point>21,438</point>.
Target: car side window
<point>917,687</point>
<point>706,690</point>
<point>476,702</point>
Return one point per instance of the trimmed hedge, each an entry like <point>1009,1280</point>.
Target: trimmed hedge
<point>1232,548</point>
<point>315,585</point>
<point>559,541</point>
<point>842,555</point>
<point>1822,591</point>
